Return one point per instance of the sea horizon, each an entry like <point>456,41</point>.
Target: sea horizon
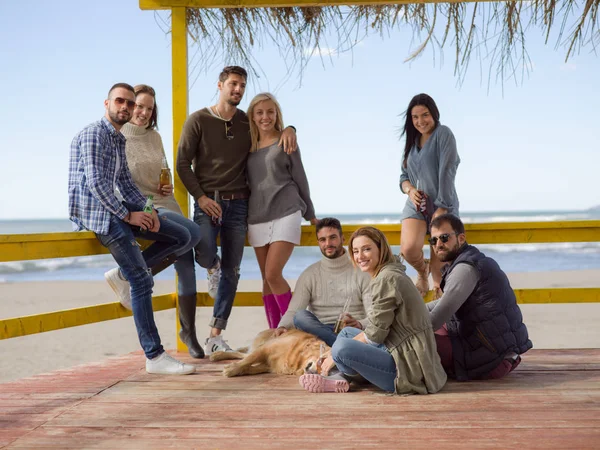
<point>540,257</point>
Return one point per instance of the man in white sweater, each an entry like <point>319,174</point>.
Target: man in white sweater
<point>325,287</point>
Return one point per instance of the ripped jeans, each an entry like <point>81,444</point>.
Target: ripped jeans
<point>134,264</point>
<point>232,231</point>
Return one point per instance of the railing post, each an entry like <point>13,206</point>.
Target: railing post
<point>179,69</point>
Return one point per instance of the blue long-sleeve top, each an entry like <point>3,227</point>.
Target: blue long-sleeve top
<point>434,167</point>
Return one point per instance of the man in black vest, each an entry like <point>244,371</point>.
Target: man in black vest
<point>480,330</point>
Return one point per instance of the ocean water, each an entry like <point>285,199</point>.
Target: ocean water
<point>511,257</point>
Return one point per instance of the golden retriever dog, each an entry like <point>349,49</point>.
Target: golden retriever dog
<point>292,353</point>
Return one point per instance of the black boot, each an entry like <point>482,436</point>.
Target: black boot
<point>187,319</point>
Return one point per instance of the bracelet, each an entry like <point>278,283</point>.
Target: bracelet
<point>292,127</point>
<point>127,218</point>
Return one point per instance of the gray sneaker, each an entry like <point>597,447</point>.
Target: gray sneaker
<point>165,364</point>
<point>120,286</point>
<point>214,276</point>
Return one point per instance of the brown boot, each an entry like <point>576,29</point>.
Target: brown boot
<point>187,319</point>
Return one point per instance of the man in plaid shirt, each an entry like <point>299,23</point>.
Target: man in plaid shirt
<point>104,199</point>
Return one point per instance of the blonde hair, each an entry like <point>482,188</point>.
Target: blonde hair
<point>386,255</point>
<point>254,133</point>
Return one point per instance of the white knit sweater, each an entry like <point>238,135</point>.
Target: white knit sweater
<point>324,287</point>
<point>145,158</point>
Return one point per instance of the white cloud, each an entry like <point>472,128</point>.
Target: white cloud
<point>568,67</point>
<point>320,51</point>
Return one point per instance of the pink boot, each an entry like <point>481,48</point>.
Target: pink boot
<point>272,310</point>
<point>283,301</point>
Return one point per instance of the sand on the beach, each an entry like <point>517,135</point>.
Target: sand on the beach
<point>550,326</point>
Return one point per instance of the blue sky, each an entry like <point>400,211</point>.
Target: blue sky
<point>530,146</point>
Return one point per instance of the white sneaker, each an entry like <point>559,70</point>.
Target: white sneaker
<point>120,286</point>
<point>214,276</point>
<point>165,364</point>
<point>216,344</point>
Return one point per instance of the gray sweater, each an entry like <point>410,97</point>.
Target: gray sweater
<point>278,185</point>
<point>325,286</point>
<point>434,166</point>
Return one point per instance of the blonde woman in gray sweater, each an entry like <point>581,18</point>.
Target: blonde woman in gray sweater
<point>279,198</point>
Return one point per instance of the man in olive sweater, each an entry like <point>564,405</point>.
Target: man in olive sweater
<point>211,162</point>
<point>326,287</point>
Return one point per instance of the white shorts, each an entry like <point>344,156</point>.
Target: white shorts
<point>285,229</point>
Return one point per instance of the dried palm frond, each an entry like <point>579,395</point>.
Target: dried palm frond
<point>486,31</point>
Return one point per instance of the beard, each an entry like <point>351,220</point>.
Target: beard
<point>114,116</point>
<point>339,251</point>
<point>451,254</point>
<point>233,102</point>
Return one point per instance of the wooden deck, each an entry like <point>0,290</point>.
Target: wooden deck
<point>551,401</point>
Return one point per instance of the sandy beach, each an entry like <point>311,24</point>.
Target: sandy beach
<point>550,326</point>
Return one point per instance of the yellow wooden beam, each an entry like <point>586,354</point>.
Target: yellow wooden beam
<point>558,295</point>
<point>40,323</point>
<point>179,73</point>
<point>21,247</point>
<point>168,4</point>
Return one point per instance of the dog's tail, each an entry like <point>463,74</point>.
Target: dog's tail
<point>224,356</point>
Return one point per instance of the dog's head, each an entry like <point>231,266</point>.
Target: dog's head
<point>315,351</point>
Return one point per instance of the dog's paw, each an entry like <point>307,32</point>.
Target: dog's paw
<point>231,370</point>
<point>217,356</point>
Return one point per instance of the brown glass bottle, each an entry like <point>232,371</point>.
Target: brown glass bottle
<point>165,177</point>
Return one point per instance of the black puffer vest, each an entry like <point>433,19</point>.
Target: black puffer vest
<point>489,324</point>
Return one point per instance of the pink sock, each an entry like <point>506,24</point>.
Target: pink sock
<point>272,310</point>
<point>283,301</point>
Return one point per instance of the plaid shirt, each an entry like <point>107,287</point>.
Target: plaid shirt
<point>93,176</point>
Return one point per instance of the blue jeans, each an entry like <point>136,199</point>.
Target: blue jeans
<point>374,363</point>
<point>134,264</point>
<point>306,321</point>
<point>233,238</point>
<point>184,266</point>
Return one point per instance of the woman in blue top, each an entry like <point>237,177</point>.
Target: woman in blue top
<point>428,172</point>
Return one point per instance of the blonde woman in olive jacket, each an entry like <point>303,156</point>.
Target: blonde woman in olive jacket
<point>397,351</point>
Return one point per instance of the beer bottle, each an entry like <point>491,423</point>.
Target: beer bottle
<point>149,204</point>
<point>165,177</point>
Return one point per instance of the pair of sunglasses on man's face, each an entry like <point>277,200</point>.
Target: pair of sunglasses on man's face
<point>228,132</point>
<point>442,237</point>
<point>121,101</point>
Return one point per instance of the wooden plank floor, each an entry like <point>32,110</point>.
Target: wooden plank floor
<point>551,401</point>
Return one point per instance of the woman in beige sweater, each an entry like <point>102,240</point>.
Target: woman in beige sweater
<point>146,158</point>
<point>397,351</point>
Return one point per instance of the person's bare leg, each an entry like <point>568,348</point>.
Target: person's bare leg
<point>412,240</point>
<point>435,268</point>
<point>277,257</point>
<point>261,257</point>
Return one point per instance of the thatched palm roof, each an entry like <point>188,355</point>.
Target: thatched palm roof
<point>491,32</point>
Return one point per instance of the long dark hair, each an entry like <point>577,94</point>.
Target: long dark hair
<point>412,135</point>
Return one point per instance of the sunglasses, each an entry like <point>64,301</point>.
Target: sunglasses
<point>228,132</point>
<point>121,101</point>
<point>442,237</point>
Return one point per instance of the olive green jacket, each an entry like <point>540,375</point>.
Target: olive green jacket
<point>399,319</point>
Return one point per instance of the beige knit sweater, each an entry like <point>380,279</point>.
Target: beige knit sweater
<point>145,158</point>
<point>324,287</point>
